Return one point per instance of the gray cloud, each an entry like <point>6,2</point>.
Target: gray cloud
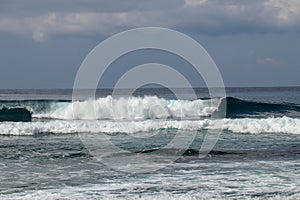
<point>43,20</point>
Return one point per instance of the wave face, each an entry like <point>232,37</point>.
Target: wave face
<point>241,108</point>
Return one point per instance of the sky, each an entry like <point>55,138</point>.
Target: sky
<point>253,43</point>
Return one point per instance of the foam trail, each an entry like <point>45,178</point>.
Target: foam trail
<point>133,108</point>
<point>244,125</point>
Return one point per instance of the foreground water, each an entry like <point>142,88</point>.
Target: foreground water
<point>257,155</point>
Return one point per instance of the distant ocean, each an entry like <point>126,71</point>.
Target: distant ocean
<point>257,155</point>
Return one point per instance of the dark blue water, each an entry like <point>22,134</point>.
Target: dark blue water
<point>50,156</point>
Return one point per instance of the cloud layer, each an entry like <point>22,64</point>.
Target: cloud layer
<point>93,18</point>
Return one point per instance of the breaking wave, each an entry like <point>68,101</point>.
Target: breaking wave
<point>144,108</point>
<point>239,125</point>
<point>133,108</point>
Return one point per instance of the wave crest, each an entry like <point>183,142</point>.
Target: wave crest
<point>133,108</point>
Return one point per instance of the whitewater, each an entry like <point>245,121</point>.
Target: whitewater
<point>245,125</point>
<point>132,108</point>
<point>45,141</point>
<point>149,113</point>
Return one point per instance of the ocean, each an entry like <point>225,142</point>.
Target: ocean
<point>44,155</point>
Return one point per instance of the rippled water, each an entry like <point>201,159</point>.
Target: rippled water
<point>263,164</point>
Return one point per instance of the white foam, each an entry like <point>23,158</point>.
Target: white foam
<point>132,108</point>
<point>244,125</point>
<point>265,125</point>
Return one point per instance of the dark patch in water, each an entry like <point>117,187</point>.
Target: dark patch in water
<point>227,153</point>
<point>239,108</point>
<point>15,115</point>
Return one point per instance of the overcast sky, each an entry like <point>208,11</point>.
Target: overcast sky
<point>254,43</point>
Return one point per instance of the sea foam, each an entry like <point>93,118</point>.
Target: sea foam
<point>132,108</point>
<point>240,125</point>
